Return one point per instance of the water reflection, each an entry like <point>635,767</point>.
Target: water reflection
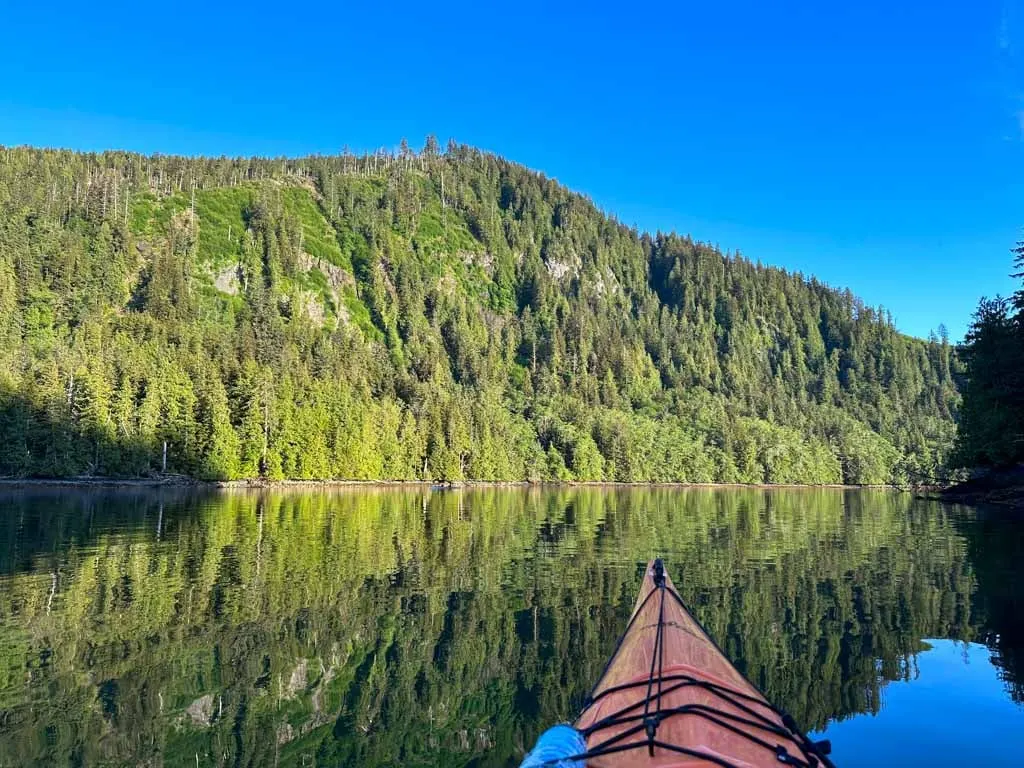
<point>383,627</point>
<point>952,711</point>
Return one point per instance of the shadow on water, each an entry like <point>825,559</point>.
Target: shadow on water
<point>385,627</point>
<point>995,545</point>
<point>44,522</point>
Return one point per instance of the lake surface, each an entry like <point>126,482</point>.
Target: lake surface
<point>408,627</point>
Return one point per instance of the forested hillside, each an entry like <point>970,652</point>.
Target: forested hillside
<point>423,315</point>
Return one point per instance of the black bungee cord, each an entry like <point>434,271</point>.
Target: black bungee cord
<point>813,754</point>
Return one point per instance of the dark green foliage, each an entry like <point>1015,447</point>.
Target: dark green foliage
<point>991,430</point>
<point>423,316</point>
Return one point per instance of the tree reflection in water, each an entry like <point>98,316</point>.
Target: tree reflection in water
<point>383,627</point>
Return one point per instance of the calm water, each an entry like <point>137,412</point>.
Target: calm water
<point>411,628</point>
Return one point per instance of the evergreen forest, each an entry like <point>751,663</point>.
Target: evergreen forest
<point>991,432</point>
<point>425,315</point>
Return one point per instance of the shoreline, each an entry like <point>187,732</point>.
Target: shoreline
<point>1000,488</point>
<point>1012,501</point>
<point>181,481</point>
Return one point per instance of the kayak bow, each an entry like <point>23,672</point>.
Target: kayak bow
<point>669,697</point>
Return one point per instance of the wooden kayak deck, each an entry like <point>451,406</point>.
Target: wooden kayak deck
<point>670,697</point>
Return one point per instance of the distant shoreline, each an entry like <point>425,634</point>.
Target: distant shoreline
<point>1002,488</point>
<point>181,481</point>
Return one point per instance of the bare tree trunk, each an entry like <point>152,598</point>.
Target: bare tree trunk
<point>266,429</point>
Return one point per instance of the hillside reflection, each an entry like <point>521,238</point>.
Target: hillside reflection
<point>385,627</point>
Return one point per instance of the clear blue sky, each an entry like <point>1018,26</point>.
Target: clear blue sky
<point>877,144</point>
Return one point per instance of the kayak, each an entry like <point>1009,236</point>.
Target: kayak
<point>669,697</point>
